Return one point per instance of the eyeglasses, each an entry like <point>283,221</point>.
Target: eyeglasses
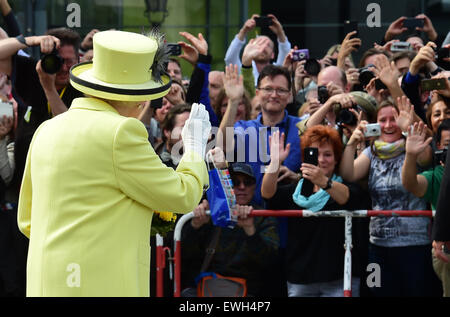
<point>279,91</point>
<point>247,182</point>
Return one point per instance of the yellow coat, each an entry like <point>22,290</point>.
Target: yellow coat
<point>91,184</point>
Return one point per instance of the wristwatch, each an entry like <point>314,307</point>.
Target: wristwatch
<point>21,40</point>
<point>329,184</point>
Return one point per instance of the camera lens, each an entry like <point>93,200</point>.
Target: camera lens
<point>312,67</point>
<point>51,63</point>
<point>322,94</point>
<point>365,76</point>
<point>346,117</point>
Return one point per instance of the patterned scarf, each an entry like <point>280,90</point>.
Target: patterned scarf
<point>387,151</point>
<point>316,201</point>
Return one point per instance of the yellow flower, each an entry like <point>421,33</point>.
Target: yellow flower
<point>167,216</point>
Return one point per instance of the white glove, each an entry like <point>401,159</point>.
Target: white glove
<point>196,130</point>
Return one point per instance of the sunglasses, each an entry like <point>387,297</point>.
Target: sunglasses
<point>247,182</point>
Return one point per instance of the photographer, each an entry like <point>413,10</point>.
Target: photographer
<point>40,95</point>
<point>422,65</point>
<point>331,81</point>
<point>265,58</point>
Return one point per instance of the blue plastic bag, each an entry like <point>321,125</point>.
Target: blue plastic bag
<point>221,197</point>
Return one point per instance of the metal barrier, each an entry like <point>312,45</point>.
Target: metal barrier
<point>285,213</point>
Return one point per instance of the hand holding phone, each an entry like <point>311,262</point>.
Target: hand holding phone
<point>432,84</point>
<point>413,23</point>
<point>263,21</point>
<point>174,49</point>
<point>311,156</point>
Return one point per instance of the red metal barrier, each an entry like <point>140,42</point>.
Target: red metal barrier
<point>300,213</point>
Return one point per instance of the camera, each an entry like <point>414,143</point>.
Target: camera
<point>372,129</point>
<point>345,116</point>
<point>299,55</point>
<point>401,46</point>
<point>443,53</point>
<point>441,155</point>
<point>366,75</point>
<point>263,21</point>
<point>51,63</point>
<point>379,84</point>
<point>312,67</point>
<point>322,94</point>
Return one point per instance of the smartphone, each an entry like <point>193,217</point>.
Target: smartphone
<point>432,84</point>
<point>6,109</point>
<point>401,46</point>
<point>299,55</point>
<point>372,129</point>
<point>263,21</point>
<point>174,49</point>
<point>350,26</point>
<point>311,156</point>
<point>413,23</point>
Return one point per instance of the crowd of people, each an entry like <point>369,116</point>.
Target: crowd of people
<point>266,111</point>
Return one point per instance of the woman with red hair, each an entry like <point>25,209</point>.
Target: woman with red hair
<point>314,253</point>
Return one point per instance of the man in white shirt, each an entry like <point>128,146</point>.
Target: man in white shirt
<point>232,55</point>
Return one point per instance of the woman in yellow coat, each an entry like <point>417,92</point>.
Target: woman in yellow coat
<point>92,179</point>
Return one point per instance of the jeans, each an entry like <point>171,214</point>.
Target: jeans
<point>324,289</point>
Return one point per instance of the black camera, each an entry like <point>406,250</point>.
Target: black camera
<point>442,53</point>
<point>51,63</point>
<point>366,75</point>
<point>345,116</point>
<point>312,67</point>
<point>441,155</point>
<point>263,21</point>
<point>322,94</point>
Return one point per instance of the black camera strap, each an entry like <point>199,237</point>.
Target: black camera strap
<point>211,249</point>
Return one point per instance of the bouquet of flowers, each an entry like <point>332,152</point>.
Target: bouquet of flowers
<point>163,222</point>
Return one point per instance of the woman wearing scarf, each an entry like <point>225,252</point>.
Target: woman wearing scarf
<point>399,245</point>
<point>315,254</point>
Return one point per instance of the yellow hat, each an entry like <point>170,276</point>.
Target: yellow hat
<point>121,68</point>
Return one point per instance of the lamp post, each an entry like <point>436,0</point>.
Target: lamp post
<point>156,11</point>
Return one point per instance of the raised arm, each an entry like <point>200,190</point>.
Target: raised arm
<point>234,89</point>
<point>352,169</point>
<point>416,143</point>
<point>278,154</point>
